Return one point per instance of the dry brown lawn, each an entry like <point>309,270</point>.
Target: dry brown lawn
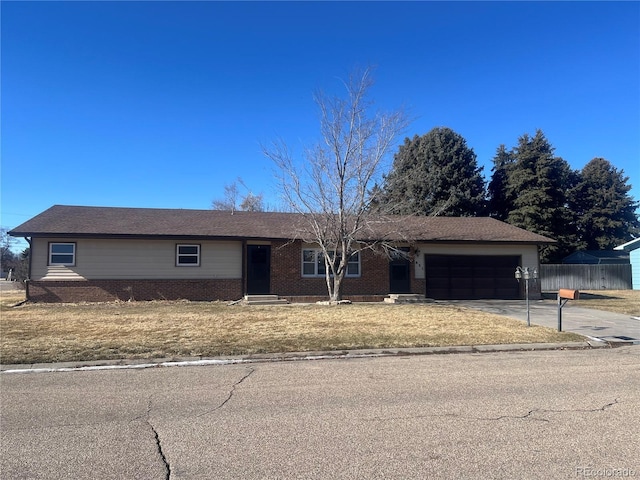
<point>34,333</point>
<point>618,301</point>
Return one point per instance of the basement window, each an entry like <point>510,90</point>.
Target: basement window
<point>62,254</point>
<point>188,255</point>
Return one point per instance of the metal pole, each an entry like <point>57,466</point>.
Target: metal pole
<point>527,293</point>
<point>559,313</point>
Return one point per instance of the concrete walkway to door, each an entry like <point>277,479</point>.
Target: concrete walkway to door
<point>611,327</point>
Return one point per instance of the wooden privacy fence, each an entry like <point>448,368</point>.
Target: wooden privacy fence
<point>585,277</point>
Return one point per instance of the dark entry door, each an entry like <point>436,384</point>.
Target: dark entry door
<point>399,274</point>
<point>258,269</point>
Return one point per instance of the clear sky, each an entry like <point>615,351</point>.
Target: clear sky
<point>160,104</point>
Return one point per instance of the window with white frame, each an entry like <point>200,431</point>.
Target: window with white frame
<point>62,254</point>
<point>187,255</point>
<point>313,263</point>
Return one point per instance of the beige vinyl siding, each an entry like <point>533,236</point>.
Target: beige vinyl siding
<point>138,259</point>
<point>529,253</point>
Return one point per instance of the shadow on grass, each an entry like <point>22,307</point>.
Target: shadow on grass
<point>583,296</point>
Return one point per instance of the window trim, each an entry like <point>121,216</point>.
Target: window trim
<point>62,264</point>
<point>318,257</point>
<point>197,255</point>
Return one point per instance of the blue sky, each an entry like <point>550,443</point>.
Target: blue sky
<point>160,104</point>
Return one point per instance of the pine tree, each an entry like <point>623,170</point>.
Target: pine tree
<point>499,203</point>
<point>436,174</point>
<point>606,212</point>
<point>538,182</point>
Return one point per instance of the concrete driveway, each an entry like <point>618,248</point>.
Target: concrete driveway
<point>611,327</point>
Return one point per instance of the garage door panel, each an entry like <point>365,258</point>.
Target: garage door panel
<point>484,293</point>
<point>505,283</point>
<point>459,293</point>
<point>463,283</point>
<point>471,277</point>
<point>505,294</point>
<point>439,293</point>
<point>439,272</point>
<point>485,272</point>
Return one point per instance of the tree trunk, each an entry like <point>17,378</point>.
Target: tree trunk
<point>336,295</point>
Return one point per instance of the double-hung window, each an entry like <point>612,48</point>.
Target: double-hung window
<point>353,265</point>
<point>313,263</point>
<point>62,254</point>
<point>187,255</point>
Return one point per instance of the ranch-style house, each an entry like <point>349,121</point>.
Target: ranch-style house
<point>83,253</point>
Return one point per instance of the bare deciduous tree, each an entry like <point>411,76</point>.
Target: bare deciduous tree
<point>252,203</point>
<point>333,186</point>
<point>232,200</point>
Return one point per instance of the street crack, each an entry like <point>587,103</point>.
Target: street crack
<point>163,458</point>
<point>528,416</point>
<point>231,392</point>
<point>542,410</point>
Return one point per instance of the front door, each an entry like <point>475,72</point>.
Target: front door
<point>399,273</point>
<point>258,269</point>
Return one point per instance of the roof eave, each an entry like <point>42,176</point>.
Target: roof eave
<point>629,246</point>
<point>130,236</point>
<point>493,242</point>
<point>240,238</point>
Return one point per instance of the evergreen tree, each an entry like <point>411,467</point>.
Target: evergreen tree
<point>538,182</point>
<point>436,174</point>
<point>499,203</point>
<point>605,211</point>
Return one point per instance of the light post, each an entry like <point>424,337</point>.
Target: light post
<point>526,274</point>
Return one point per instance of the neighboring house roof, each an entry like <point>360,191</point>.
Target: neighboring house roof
<point>596,257</point>
<point>629,246</point>
<point>79,221</point>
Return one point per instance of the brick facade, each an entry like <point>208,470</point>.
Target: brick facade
<point>371,285</point>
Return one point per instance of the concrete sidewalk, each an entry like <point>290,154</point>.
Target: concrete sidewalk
<point>610,327</point>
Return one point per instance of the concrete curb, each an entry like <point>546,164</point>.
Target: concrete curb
<point>297,356</point>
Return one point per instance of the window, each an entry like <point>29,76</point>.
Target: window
<point>353,265</point>
<point>313,264</point>
<point>188,255</point>
<point>62,254</point>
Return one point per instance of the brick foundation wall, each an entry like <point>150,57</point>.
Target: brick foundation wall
<point>111,290</point>
<point>323,298</point>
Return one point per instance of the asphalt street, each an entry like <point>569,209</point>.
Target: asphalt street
<point>528,414</point>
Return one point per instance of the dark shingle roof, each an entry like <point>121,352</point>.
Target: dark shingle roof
<point>77,221</point>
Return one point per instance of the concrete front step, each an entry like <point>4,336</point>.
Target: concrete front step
<point>264,300</point>
<point>407,298</point>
